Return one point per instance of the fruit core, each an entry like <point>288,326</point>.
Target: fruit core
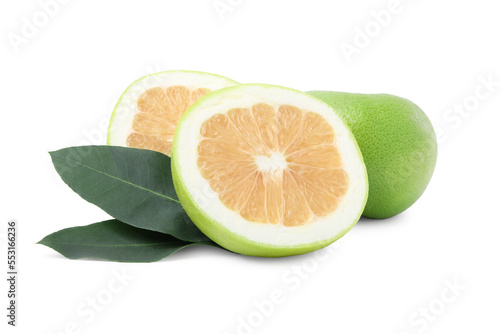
<point>273,165</point>
<point>158,112</point>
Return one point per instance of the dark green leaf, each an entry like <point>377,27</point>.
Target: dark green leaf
<point>115,241</point>
<point>132,185</point>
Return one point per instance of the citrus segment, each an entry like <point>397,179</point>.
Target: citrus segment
<point>268,171</point>
<point>160,109</point>
<point>238,144</point>
<point>148,112</point>
<point>289,126</point>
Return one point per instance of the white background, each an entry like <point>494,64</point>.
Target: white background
<point>60,84</point>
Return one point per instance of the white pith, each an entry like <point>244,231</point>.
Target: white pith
<point>274,163</point>
<point>205,199</point>
<point>123,115</point>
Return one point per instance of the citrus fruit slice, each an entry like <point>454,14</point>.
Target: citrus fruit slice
<point>268,171</point>
<point>398,144</point>
<point>147,113</point>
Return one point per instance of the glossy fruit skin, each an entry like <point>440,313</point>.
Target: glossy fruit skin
<point>398,144</point>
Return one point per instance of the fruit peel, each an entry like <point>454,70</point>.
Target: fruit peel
<point>398,143</point>
<point>221,234</point>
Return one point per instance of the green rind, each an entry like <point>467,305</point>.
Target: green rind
<point>113,115</point>
<point>220,234</point>
<point>393,188</point>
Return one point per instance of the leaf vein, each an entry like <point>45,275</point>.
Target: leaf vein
<point>116,178</point>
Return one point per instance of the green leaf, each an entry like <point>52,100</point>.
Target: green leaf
<point>115,241</point>
<point>133,185</point>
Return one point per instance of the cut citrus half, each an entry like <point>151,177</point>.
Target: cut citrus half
<point>147,113</point>
<point>268,171</point>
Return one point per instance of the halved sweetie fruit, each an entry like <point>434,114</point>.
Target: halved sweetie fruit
<point>147,113</point>
<point>268,171</point>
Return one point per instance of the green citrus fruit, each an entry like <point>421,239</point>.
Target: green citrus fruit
<point>147,113</point>
<point>398,144</point>
<point>268,171</point>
